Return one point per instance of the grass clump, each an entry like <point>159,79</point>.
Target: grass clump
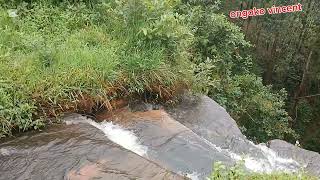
<point>69,57</point>
<point>238,172</point>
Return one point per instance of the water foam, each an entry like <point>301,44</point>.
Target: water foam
<point>270,163</point>
<point>193,176</point>
<point>121,136</point>
<point>4,152</point>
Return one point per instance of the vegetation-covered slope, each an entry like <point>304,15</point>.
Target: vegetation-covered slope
<point>66,56</point>
<point>286,54</point>
<point>63,56</point>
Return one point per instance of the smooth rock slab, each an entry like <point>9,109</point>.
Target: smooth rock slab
<point>170,143</point>
<point>206,118</point>
<point>310,159</point>
<point>209,120</point>
<point>74,152</point>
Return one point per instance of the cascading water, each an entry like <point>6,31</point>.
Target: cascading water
<point>152,144</point>
<point>268,163</point>
<point>119,135</point>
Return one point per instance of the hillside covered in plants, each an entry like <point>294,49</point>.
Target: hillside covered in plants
<point>59,56</point>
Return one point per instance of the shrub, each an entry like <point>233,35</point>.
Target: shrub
<point>238,172</point>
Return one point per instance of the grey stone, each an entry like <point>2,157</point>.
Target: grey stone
<point>77,151</point>
<point>207,118</point>
<point>171,144</point>
<point>309,159</point>
<point>187,138</point>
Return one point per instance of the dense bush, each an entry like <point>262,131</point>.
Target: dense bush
<point>224,72</point>
<point>286,54</point>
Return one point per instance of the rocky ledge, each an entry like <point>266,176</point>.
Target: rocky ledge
<point>143,142</point>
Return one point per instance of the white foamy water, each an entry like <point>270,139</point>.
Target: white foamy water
<point>193,176</point>
<point>4,152</point>
<point>121,136</point>
<point>270,163</point>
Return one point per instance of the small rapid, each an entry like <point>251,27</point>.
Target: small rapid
<point>270,162</point>
<point>121,136</point>
<point>267,163</point>
<point>78,151</point>
<point>115,133</point>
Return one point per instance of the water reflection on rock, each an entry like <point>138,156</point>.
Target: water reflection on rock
<point>78,151</point>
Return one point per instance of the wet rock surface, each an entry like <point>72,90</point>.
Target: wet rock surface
<point>309,159</point>
<point>209,120</point>
<point>171,144</point>
<point>78,151</point>
<point>206,118</point>
<point>144,141</point>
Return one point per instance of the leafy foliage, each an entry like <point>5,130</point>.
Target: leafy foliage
<point>286,54</point>
<point>224,71</point>
<point>238,172</point>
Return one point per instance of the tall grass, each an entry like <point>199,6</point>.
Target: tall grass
<point>62,57</point>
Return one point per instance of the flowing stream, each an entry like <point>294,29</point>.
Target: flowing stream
<point>152,144</point>
<point>268,162</point>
